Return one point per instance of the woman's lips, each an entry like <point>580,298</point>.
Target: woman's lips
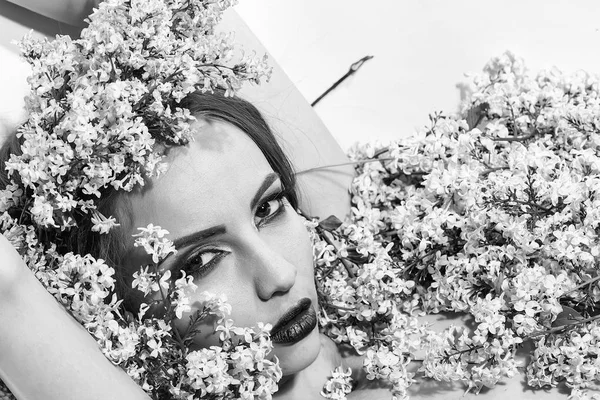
<point>296,324</point>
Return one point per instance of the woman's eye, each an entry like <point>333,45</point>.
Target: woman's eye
<point>204,258</point>
<point>269,210</point>
<point>202,263</point>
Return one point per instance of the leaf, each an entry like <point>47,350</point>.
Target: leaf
<point>355,256</point>
<point>476,114</point>
<point>331,223</point>
<point>592,272</point>
<point>129,317</point>
<point>568,316</point>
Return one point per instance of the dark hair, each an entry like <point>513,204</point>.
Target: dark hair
<point>245,116</point>
<point>112,247</point>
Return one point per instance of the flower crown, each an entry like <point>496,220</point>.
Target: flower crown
<point>99,104</point>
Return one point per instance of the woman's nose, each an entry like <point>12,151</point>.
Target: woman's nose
<point>274,275</point>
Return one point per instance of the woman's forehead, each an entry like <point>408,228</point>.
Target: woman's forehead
<point>210,179</point>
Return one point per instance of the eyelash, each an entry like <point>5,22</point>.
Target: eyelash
<point>280,198</point>
<point>198,268</point>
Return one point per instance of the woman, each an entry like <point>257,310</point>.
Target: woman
<point>229,201</point>
<point>267,238</point>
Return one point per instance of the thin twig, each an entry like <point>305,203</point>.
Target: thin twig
<point>380,152</point>
<point>370,160</point>
<point>323,234</point>
<point>584,284</point>
<point>344,262</point>
<point>353,68</point>
<point>529,204</point>
<point>561,327</point>
<point>461,352</point>
<point>514,138</point>
<point>492,169</point>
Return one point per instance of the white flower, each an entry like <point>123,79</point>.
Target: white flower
<point>184,286</point>
<point>101,223</point>
<point>145,281</point>
<point>42,212</point>
<point>152,239</point>
<point>338,385</point>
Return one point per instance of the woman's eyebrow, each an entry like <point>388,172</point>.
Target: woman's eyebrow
<point>267,182</point>
<point>198,236</point>
<point>204,234</point>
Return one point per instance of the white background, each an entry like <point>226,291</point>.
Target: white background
<point>422,49</point>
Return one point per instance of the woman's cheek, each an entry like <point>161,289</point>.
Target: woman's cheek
<point>300,253</point>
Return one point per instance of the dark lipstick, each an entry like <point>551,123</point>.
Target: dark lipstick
<point>296,324</point>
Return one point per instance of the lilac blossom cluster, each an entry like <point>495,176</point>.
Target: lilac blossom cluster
<point>494,214</point>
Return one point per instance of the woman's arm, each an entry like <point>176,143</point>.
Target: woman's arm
<point>44,353</point>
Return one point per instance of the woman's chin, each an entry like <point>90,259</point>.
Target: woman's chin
<point>295,357</point>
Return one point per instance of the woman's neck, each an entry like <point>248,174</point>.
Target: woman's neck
<point>308,383</point>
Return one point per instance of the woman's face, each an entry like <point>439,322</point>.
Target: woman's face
<point>237,235</point>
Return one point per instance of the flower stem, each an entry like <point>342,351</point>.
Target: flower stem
<point>345,262</point>
<point>584,284</point>
<point>561,327</point>
<point>513,139</point>
<point>359,162</point>
<point>353,68</point>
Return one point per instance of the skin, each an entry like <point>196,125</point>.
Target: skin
<point>42,343</point>
<point>259,256</point>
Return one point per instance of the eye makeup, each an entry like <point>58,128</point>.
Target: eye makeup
<point>279,199</point>
<point>202,258</point>
<point>202,261</point>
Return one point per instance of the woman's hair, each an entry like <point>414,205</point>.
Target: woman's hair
<point>242,114</point>
<point>112,247</point>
